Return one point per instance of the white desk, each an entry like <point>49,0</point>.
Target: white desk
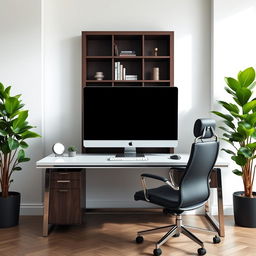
<point>83,161</point>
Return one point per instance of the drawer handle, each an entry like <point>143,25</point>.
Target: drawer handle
<point>63,181</point>
<point>63,190</point>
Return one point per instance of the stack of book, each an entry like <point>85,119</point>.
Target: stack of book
<point>127,53</point>
<point>131,77</point>
<point>120,71</point>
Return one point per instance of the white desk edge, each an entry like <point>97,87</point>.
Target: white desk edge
<point>102,160</point>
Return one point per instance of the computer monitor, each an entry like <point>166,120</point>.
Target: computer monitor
<point>130,117</point>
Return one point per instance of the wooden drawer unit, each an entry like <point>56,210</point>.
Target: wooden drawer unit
<point>67,197</point>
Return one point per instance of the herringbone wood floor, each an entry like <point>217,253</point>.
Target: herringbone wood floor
<point>113,235</point>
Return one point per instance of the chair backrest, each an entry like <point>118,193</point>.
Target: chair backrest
<point>194,186</point>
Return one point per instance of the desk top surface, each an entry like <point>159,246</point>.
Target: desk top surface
<point>102,161</point>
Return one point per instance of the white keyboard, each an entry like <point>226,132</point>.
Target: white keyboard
<point>128,158</point>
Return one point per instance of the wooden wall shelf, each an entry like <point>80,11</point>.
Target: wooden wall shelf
<point>102,49</point>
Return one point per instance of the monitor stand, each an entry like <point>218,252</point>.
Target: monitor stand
<point>130,152</point>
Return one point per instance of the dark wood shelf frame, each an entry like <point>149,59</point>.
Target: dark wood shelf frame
<point>101,49</point>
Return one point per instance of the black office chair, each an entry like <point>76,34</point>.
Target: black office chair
<point>193,190</point>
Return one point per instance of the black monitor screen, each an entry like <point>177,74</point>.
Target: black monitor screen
<point>130,113</point>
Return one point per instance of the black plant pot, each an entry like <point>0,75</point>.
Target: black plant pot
<point>244,210</point>
<point>9,210</point>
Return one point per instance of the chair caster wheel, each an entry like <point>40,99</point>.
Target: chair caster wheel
<point>216,240</point>
<point>157,252</point>
<point>201,251</point>
<point>139,239</point>
<point>176,235</point>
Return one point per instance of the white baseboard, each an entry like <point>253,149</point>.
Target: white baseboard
<point>31,209</point>
<point>228,210</point>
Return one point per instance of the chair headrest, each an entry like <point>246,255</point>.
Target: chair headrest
<point>202,124</point>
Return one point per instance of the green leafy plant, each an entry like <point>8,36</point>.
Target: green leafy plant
<point>71,149</point>
<point>240,125</point>
<point>14,130</point>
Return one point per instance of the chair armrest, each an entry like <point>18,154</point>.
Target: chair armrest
<point>155,177</point>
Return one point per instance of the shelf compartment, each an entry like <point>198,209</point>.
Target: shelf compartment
<point>162,64</point>
<point>162,42</point>
<point>128,43</point>
<point>157,83</point>
<point>130,83</point>
<point>97,84</point>
<point>99,65</point>
<point>99,45</point>
<point>133,67</point>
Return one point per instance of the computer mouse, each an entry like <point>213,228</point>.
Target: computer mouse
<point>176,157</point>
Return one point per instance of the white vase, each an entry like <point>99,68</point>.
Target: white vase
<point>99,76</point>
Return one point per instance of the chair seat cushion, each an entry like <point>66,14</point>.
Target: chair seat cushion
<point>164,196</point>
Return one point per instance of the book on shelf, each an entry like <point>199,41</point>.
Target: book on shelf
<point>124,73</point>
<point>120,71</point>
<point>127,53</point>
<point>131,77</point>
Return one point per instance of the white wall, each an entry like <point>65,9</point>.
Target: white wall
<point>234,41</point>
<point>55,106</point>
<point>20,67</point>
<point>63,22</point>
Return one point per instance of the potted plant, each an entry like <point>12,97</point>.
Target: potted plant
<point>14,130</point>
<point>240,132</point>
<point>71,151</point>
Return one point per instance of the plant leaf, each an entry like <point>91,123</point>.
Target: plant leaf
<point>21,155</point>
<point>17,168</point>
<point>230,124</point>
<point>227,117</point>
<point>243,95</point>
<point>229,91</point>
<point>245,129</point>
<point>23,144</point>
<point>238,137</point>
<point>7,91</point>
<point>254,135</point>
<point>18,122</point>
<point>232,83</point>
<point>11,105</point>
<point>251,146</point>
<point>25,159</point>
<point>3,133</point>
<point>237,172</point>
<point>228,151</point>
<point>246,77</point>
<point>12,143</point>
<point>242,117</point>
<point>249,106</point>
<point>246,152</point>
<point>239,159</point>
<point>29,134</point>
<point>229,106</point>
